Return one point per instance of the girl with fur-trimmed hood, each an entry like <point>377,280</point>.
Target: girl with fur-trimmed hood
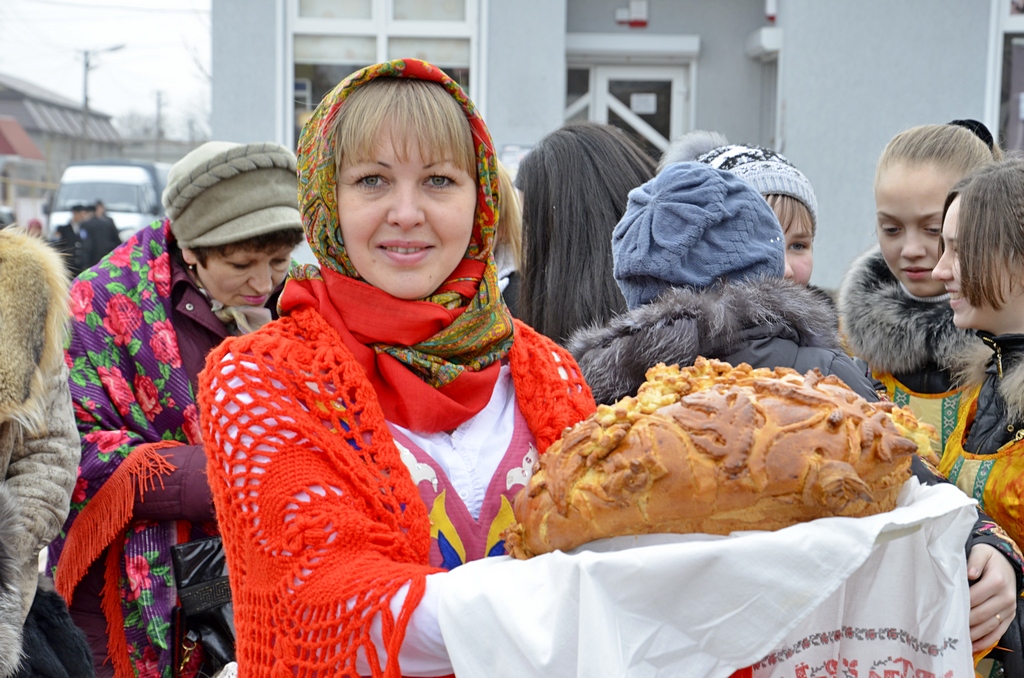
<point>39,454</point>
<point>699,258</point>
<point>894,315</point>
<point>981,270</point>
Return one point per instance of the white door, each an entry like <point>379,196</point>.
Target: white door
<point>650,102</point>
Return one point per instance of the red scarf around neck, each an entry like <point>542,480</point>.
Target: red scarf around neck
<point>364,315</point>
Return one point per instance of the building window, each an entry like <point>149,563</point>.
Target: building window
<point>769,102</point>
<point>438,10</point>
<point>333,38</point>
<point>336,9</point>
<point>1011,100</point>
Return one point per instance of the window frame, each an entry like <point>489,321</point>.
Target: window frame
<point>382,27</point>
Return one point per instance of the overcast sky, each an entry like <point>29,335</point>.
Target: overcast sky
<point>166,49</point>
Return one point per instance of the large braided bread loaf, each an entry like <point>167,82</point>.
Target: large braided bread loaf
<point>717,449</point>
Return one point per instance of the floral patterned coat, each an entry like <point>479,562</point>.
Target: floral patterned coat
<point>130,391</point>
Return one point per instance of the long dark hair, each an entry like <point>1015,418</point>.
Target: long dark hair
<point>575,182</point>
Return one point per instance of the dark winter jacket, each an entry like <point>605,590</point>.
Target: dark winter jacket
<point>68,242</point>
<point>1000,405</point>
<point>996,365</point>
<point>54,647</point>
<point>914,341</point>
<point>765,323</point>
<point>99,237</point>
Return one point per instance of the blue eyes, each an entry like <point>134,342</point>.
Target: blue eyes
<point>376,181</point>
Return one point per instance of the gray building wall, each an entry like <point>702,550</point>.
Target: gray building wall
<point>728,83</point>
<point>850,76</point>
<point>525,56</point>
<point>854,74</point>
<point>247,88</point>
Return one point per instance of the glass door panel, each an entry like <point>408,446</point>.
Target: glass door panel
<point>651,103</point>
<point>336,9</point>
<point>577,96</point>
<point>434,10</point>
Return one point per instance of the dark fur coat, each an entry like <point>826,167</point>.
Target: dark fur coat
<point>893,332</point>
<point>10,589</point>
<point>766,323</point>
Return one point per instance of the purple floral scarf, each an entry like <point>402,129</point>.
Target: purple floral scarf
<point>129,388</point>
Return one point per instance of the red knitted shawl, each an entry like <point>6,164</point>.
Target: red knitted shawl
<point>321,521</point>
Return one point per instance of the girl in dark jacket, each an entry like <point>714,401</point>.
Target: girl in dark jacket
<point>700,258</point>
<point>983,236</point>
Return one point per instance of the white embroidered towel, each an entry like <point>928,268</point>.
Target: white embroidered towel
<point>883,593</point>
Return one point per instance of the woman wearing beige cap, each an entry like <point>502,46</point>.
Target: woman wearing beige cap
<point>144,319</point>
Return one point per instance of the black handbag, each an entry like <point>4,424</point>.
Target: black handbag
<point>204,626</point>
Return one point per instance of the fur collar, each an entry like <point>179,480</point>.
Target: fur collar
<point>685,323</point>
<point>891,331</point>
<point>972,368</point>
<point>33,310</point>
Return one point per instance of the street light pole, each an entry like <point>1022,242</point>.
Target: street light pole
<point>86,53</point>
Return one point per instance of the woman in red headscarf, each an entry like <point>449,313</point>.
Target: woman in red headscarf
<point>375,435</point>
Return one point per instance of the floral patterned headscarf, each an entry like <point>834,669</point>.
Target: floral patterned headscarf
<point>460,332</point>
<point>318,171</point>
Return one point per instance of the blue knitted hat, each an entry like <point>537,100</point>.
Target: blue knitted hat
<point>693,226</point>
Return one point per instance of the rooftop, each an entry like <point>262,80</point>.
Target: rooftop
<point>40,110</point>
<point>14,140</point>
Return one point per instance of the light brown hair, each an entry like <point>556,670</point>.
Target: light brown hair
<point>409,111</point>
<point>990,231</point>
<point>509,230</point>
<point>948,148</point>
<point>792,213</point>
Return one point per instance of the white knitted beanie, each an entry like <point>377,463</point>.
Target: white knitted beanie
<point>767,171</point>
<point>224,192</point>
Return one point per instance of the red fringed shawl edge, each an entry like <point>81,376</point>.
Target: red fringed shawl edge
<point>102,524</point>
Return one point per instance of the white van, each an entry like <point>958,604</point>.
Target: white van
<point>129,190</point>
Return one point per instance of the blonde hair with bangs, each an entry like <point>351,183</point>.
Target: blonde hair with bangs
<point>949,148</point>
<point>414,113</point>
<point>793,215</point>
<point>990,232</point>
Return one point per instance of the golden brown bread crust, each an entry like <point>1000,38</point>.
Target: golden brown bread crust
<point>717,449</point>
